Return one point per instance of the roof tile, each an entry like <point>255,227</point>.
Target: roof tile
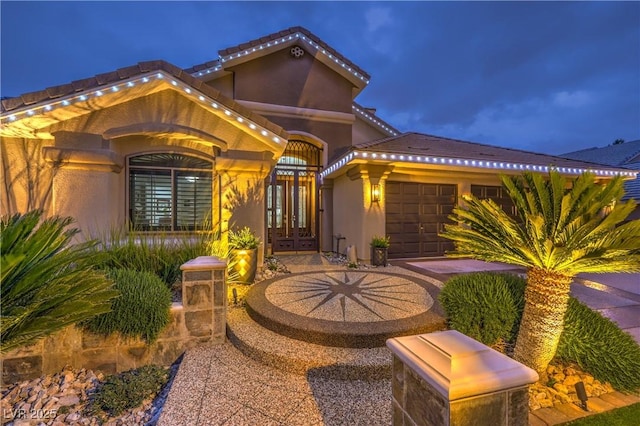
<point>287,32</point>
<point>9,104</point>
<point>436,146</point>
<point>33,97</point>
<point>58,91</point>
<point>126,72</point>
<point>12,103</point>
<point>84,84</point>
<point>107,77</point>
<point>147,66</point>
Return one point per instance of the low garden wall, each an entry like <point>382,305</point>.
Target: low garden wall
<point>199,319</point>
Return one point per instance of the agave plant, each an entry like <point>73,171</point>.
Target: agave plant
<point>563,228</point>
<point>46,283</point>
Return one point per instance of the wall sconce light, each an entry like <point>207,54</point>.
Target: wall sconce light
<point>375,192</point>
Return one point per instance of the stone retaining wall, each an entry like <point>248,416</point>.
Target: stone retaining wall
<point>201,318</point>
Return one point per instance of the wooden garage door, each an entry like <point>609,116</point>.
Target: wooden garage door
<point>498,194</point>
<point>416,212</point>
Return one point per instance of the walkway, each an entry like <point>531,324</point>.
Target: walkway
<point>275,380</point>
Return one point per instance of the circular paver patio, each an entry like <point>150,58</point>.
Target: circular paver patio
<point>352,308</point>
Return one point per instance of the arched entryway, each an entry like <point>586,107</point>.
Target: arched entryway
<point>293,199</point>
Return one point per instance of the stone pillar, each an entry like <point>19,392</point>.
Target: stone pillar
<point>204,298</point>
<point>447,378</point>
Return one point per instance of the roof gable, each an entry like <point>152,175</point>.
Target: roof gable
<point>262,46</point>
<point>27,115</point>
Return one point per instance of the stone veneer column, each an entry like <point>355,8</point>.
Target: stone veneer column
<point>204,298</point>
<point>447,378</point>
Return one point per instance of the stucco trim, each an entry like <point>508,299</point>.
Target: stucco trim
<point>79,159</point>
<point>297,112</point>
<point>164,130</point>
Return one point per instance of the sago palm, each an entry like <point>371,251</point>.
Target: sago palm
<point>45,282</point>
<point>563,228</point>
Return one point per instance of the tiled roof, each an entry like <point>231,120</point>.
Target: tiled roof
<point>245,49</point>
<point>625,154</point>
<point>613,155</point>
<point>110,78</point>
<point>441,151</point>
<point>632,187</point>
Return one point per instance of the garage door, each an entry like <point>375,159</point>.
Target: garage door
<point>415,213</point>
<point>498,194</point>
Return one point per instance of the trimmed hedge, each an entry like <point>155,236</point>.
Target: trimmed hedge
<point>600,347</point>
<point>485,306</point>
<point>142,310</point>
<point>476,304</point>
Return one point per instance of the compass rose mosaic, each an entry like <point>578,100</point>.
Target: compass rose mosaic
<point>349,296</point>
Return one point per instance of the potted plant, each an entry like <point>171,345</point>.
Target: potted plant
<point>244,244</point>
<point>379,250</point>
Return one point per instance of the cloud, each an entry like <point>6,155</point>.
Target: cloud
<point>376,20</point>
<point>378,17</point>
<point>574,99</point>
<point>553,124</point>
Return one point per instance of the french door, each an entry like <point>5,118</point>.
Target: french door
<point>292,209</point>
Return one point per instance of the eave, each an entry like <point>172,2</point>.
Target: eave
<point>453,164</point>
<point>34,120</point>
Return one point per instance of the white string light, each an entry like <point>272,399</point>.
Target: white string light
<point>372,118</point>
<point>84,97</point>
<point>469,162</point>
<point>298,36</point>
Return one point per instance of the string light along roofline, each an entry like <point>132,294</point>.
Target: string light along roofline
<point>375,121</point>
<point>28,112</point>
<point>462,162</point>
<point>276,42</point>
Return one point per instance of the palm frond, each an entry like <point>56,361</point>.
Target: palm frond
<point>562,226</point>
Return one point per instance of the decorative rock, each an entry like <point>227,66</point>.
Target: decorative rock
<point>563,391</point>
<point>72,417</point>
<point>546,403</point>
<point>571,380</point>
<point>69,400</point>
<point>48,396</point>
<point>561,388</point>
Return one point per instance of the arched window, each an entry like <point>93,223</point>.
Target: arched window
<point>169,192</point>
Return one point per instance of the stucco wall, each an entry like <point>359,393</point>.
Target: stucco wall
<point>349,213</point>
<point>363,132</point>
<point>281,79</point>
<point>94,198</point>
<point>26,180</point>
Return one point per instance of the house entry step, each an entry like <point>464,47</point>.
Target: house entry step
<point>295,356</point>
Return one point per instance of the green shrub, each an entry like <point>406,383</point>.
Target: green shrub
<point>380,242</point>
<point>128,390</point>
<point>45,282</point>
<point>485,306</point>
<point>244,239</point>
<point>590,340</point>
<point>142,310</point>
<point>160,254</point>
<point>598,346</point>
